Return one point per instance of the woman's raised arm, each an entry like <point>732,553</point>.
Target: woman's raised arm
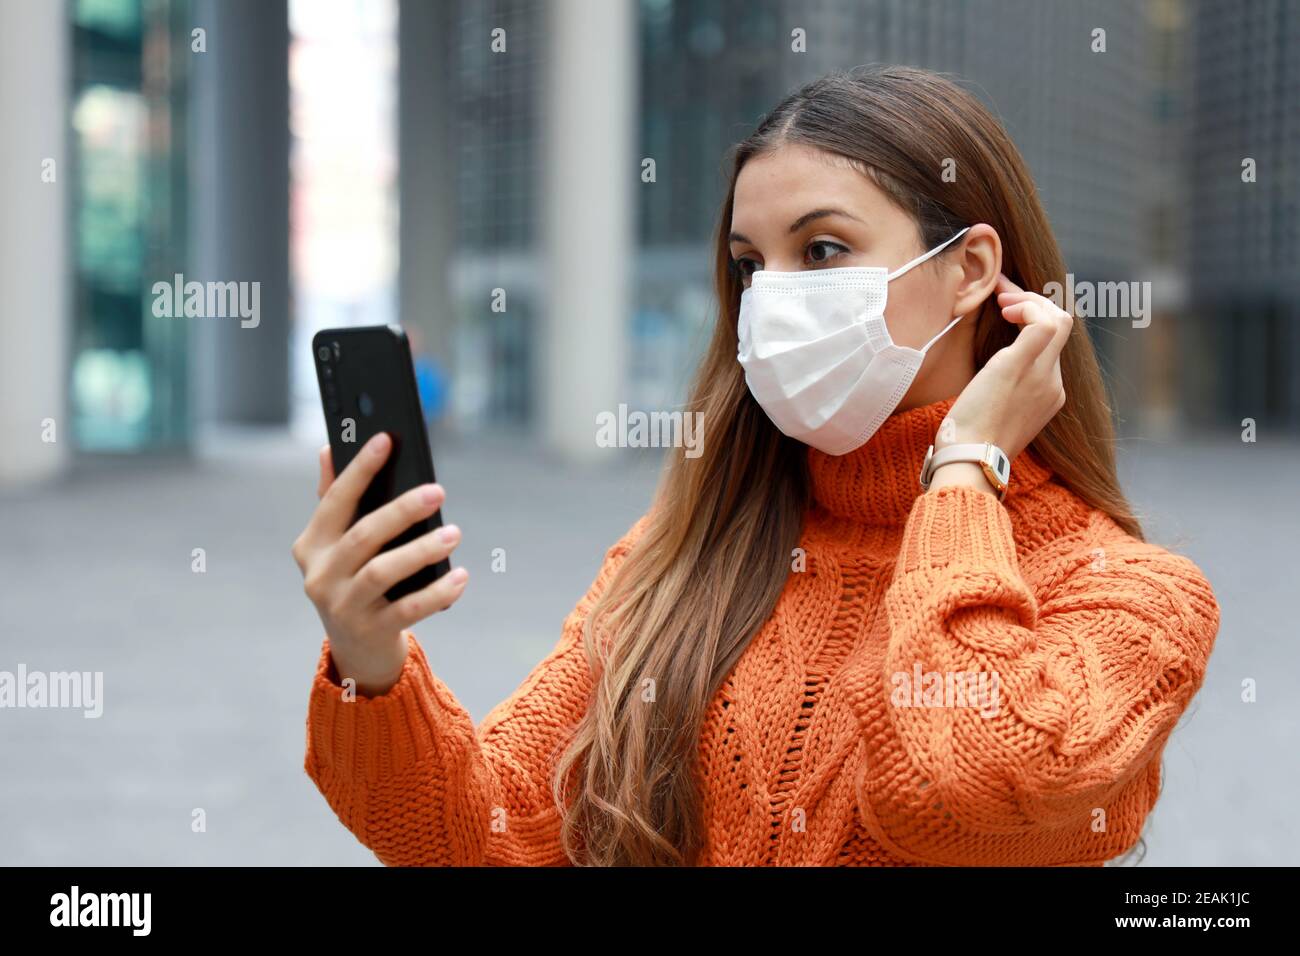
<point>1060,765</point>
<point>394,752</point>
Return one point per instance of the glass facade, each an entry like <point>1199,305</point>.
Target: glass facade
<point>128,366</point>
<point>496,141</point>
<point>1244,213</point>
<point>705,81</point>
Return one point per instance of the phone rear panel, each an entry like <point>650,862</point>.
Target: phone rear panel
<point>367,386</point>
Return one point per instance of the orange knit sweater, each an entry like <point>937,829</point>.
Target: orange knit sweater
<point>842,736</point>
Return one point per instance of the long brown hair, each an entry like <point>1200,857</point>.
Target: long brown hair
<point>711,561</point>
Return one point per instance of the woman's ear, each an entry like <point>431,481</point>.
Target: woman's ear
<point>979,259</point>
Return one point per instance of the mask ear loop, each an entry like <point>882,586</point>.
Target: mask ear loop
<point>916,262</point>
<point>926,347</point>
<point>926,255</point>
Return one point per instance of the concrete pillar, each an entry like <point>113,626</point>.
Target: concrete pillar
<point>34,249</point>
<point>239,220</point>
<point>426,177</point>
<point>589,172</point>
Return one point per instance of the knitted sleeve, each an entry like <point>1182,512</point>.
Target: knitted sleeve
<point>1052,757</point>
<point>411,777</point>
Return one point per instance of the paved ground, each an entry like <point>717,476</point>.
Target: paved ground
<point>206,674</point>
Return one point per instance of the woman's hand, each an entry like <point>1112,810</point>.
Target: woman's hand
<point>345,574</point>
<point>1019,390</point>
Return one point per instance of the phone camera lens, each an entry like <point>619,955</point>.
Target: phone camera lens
<point>323,353</point>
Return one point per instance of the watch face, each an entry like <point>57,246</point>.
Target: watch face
<point>1000,464</point>
<point>997,468</point>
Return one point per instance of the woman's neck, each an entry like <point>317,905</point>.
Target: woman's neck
<point>948,368</point>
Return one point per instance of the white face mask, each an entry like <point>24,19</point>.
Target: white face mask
<point>817,353</point>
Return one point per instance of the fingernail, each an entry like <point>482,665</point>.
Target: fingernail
<point>379,443</point>
<point>459,576</point>
<point>431,494</point>
<point>448,533</point>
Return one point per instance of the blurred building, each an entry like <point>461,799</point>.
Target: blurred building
<point>476,170</point>
<point>1244,214</point>
<point>707,73</point>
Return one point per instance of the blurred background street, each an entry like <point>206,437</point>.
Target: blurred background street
<point>476,171</point>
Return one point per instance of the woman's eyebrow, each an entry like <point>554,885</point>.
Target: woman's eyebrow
<point>820,214</point>
<point>801,222</point>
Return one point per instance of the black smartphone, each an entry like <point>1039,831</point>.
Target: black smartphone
<point>367,386</point>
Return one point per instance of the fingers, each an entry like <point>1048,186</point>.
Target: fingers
<point>1011,298</point>
<point>1063,324</point>
<point>304,544</point>
<point>1025,312</point>
<point>1044,328</point>
<point>326,471</point>
<point>438,596</point>
<point>383,571</point>
<point>1032,340</point>
<point>1054,325</point>
<point>368,536</point>
<point>1008,302</point>
<point>339,503</point>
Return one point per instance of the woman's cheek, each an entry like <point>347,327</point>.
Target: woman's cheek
<point>905,324</point>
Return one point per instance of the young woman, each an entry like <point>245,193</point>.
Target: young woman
<point>799,656</point>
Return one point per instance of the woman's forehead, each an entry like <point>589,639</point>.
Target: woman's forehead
<point>791,180</point>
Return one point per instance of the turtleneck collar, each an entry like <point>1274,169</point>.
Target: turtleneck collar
<point>879,482</point>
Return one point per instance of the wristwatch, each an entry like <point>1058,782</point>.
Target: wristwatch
<point>992,459</point>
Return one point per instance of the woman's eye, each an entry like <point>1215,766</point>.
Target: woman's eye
<point>824,250</point>
<point>744,267</point>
